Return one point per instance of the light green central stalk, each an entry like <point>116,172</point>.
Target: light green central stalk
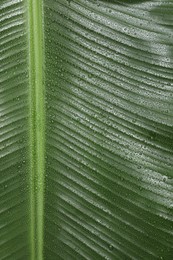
<point>37,126</point>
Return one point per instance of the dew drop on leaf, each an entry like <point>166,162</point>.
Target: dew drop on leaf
<point>111,247</point>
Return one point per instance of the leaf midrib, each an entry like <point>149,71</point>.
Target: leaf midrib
<point>36,126</point>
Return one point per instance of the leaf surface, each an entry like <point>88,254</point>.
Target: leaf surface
<point>86,129</point>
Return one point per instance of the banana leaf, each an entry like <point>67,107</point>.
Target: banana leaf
<point>86,129</point>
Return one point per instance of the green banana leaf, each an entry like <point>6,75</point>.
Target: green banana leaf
<point>86,129</point>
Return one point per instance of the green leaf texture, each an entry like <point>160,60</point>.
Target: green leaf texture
<point>86,129</point>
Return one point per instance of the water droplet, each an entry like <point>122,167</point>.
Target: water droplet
<point>165,178</point>
<point>111,247</point>
<point>153,135</point>
<point>133,120</point>
<point>69,1</point>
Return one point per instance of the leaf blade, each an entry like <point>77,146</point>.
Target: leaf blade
<point>108,144</point>
<point>104,141</point>
<point>13,132</point>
